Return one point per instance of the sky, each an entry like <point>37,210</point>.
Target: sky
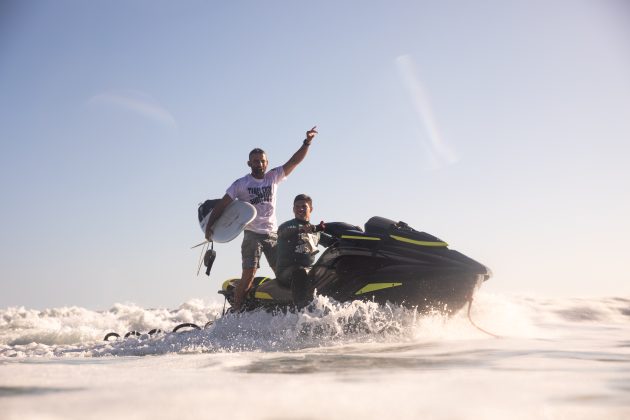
<point>502,127</point>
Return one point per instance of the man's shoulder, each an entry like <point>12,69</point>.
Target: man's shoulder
<point>271,174</point>
<point>243,179</point>
<point>276,172</point>
<point>239,181</point>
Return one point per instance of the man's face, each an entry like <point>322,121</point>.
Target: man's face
<point>302,210</point>
<point>258,163</point>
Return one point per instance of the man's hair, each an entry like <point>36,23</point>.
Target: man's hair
<point>256,151</point>
<point>304,197</point>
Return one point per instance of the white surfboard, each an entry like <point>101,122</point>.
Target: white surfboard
<point>235,217</point>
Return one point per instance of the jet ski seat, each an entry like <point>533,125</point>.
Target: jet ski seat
<point>379,225</point>
<point>386,227</point>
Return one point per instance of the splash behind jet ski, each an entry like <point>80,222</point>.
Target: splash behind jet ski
<point>388,262</point>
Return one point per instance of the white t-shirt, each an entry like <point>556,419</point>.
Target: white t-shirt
<point>261,193</point>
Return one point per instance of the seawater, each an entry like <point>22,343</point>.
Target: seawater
<point>554,359</point>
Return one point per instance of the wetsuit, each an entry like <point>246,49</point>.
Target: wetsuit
<point>296,256</point>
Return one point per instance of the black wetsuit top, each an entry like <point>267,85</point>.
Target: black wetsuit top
<point>296,247</point>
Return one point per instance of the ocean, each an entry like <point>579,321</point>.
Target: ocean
<point>530,358</point>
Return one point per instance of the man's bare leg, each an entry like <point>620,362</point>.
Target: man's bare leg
<point>244,284</point>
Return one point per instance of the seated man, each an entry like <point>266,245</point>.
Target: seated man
<point>297,246</point>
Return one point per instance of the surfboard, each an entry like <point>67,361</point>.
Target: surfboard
<point>235,217</point>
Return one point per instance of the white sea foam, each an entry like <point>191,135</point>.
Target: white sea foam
<point>29,332</point>
<point>556,358</point>
<point>80,332</point>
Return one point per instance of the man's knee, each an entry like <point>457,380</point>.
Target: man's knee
<point>250,264</point>
<point>290,276</point>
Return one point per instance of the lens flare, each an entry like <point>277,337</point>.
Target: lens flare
<point>135,102</point>
<point>440,151</point>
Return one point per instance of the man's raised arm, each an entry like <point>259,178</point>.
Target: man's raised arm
<point>301,153</point>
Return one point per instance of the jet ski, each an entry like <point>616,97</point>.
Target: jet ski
<point>387,262</point>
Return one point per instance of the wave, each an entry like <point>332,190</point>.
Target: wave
<point>75,325</point>
<point>79,332</point>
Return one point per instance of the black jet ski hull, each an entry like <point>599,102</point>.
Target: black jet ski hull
<point>442,292</point>
<point>388,263</point>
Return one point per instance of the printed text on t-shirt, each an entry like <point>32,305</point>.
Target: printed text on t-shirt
<point>259,195</point>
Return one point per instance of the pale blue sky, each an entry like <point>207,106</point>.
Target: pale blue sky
<point>501,127</point>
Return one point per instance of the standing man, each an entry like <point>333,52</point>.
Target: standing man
<point>259,189</point>
<point>297,246</point>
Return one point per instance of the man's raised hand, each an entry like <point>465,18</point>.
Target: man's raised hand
<point>310,134</point>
